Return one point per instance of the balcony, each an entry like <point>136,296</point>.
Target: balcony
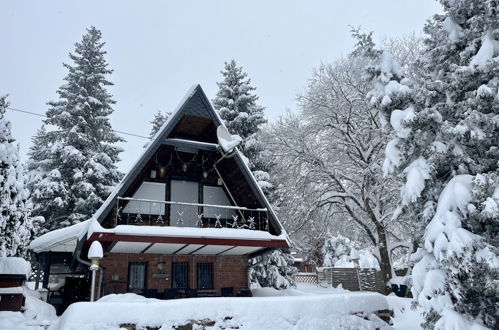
<point>147,212</point>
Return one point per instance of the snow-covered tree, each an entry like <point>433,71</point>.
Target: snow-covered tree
<point>330,159</point>
<point>334,248</point>
<point>16,225</point>
<point>78,148</point>
<point>445,147</point>
<point>45,183</point>
<point>273,269</point>
<point>159,119</point>
<point>237,105</point>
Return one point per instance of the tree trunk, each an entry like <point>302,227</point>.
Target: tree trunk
<point>384,255</point>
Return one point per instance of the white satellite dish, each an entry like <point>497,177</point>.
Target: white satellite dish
<point>226,140</point>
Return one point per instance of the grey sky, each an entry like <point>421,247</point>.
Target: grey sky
<point>158,49</point>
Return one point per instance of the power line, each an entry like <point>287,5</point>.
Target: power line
<point>42,115</point>
<point>29,112</point>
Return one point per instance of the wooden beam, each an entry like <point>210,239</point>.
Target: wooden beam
<point>219,253</point>
<point>183,247</point>
<point>199,248</point>
<point>147,248</point>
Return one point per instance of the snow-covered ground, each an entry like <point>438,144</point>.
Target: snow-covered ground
<point>37,315</point>
<point>405,318</point>
<point>305,307</point>
<point>288,310</point>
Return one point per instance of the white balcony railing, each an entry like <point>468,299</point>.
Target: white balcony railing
<point>136,211</point>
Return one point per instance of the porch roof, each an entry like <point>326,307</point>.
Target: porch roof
<point>182,241</point>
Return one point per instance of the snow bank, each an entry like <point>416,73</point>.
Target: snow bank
<point>302,289</point>
<point>298,312</point>
<point>14,266</point>
<point>36,309</point>
<point>36,316</point>
<point>404,316</point>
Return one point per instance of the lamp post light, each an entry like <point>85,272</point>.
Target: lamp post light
<point>95,253</point>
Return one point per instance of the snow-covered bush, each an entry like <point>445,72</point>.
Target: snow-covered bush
<point>335,247</point>
<point>272,269</point>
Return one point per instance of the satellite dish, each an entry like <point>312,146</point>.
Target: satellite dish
<point>226,140</point>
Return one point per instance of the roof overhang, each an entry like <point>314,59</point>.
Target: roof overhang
<point>182,245</point>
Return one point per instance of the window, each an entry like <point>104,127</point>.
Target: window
<point>205,275</point>
<point>216,196</point>
<point>180,275</point>
<point>137,276</point>
<point>148,190</point>
<point>186,192</point>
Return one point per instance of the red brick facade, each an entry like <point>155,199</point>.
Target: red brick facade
<point>228,271</point>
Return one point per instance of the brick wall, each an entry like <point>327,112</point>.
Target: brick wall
<point>228,271</point>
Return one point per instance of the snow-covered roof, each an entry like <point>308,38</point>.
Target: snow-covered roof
<point>60,240</point>
<point>172,231</point>
<point>161,136</point>
<point>66,239</point>
<point>14,266</point>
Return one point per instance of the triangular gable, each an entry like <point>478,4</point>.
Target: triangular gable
<point>194,103</point>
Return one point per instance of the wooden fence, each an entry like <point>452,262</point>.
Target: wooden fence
<point>310,278</point>
<point>354,279</point>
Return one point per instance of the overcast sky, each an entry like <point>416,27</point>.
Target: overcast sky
<point>158,49</point>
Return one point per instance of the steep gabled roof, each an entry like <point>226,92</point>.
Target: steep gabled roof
<point>195,103</point>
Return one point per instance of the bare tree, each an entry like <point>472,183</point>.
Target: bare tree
<point>332,154</point>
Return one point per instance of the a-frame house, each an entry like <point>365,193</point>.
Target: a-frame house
<point>183,221</point>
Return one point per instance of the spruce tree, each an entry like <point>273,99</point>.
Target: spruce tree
<point>16,225</point>
<point>237,105</point>
<point>445,147</point>
<point>80,169</point>
<point>159,119</point>
<point>48,190</point>
<point>273,269</point>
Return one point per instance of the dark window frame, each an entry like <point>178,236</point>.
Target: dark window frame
<point>186,272</point>
<point>208,267</point>
<point>130,264</point>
